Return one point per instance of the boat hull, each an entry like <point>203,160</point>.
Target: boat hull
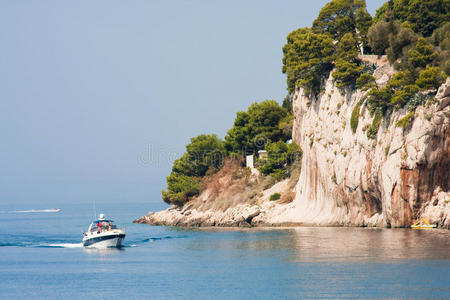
<point>104,241</point>
<point>423,226</point>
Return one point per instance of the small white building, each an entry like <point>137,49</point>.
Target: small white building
<point>262,154</point>
<point>249,161</point>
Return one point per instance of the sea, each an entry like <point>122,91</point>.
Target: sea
<point>41,257</point>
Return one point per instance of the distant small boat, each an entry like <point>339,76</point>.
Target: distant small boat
<point>49,210</point>
<point>103,234</point>
<point>423,224</point>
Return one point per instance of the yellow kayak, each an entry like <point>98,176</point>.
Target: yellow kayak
<point>423,224</point>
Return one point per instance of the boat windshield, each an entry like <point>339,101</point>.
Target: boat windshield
<point>102,225</point>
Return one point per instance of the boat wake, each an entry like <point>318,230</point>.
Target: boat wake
<point>37,242</point>
<point>167,237</point>
<point>63,245</point>
<point>49,210</point>
<point>41,245</point>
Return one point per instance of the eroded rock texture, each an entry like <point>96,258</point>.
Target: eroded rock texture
<point>346,178</point>
<point>392,180</point>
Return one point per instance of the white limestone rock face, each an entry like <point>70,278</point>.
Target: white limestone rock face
<point>349,179</point>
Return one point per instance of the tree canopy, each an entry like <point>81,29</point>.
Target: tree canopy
<point>348,67</point>
<point>307,59</point>
<point>204,153</point>
<point>279,155</point>
<point>424,16</point>
<point>339,17</point>
<point>253,128</point>
<point>310,53</point>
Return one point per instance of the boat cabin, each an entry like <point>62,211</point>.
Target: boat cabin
<point>102,225</point>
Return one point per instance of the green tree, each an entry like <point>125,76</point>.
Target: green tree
<point>254,128</point>
<point>339,17</point>
<point>400,88</point>
<point>401,96</point>
<point>205,152</point>
<point>346,73</point>
<point>423,15</point>
<point>427,15</point>
<point>423,54</point>
<point>202,153</point>
<point>441,38</point>
<point>180,188</point>
<point>378,37</point>
<point>287,103</point>
<point>237,137</point>
<point>286,124</point>
<point>347,63</point>
<point>400,43</point>
<point>400,79</point>
<point>400,9</point>
<point>363,23</point>
<point>307,59</point>
<point>431,77</point>
<point>380,13</point>
<point>279,155</point>
<point>365,81</point>
<point>184,165</point>
<point>379,98</point>
<point>347,48</point>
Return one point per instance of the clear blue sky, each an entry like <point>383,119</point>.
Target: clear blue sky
<point>87,86</point>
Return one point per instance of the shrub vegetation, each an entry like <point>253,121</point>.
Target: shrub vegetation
<point>406,120</point>
<point>354,120</point>
<point>373,129</point>
<point>275,196</point>
<point>279,156</point>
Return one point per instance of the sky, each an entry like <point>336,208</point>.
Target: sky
<point>99,97</point>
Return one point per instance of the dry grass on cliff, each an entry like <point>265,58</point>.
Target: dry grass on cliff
<point>231,186</point>
<point>295,171</point>
<point>223,189</point>
<point>287,197</point>
<point>234,185</point>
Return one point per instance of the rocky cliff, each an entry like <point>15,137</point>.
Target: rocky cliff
<point>392,180</point>
<point>346,178</point>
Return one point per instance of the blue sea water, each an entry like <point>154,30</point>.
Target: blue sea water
<point>41,258</point>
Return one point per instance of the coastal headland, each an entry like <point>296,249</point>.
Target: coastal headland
<point>361,139</point>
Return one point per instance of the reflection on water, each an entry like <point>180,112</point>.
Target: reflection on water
<point>315,244</point>
<point>102,251</point>
<point>325,262</point>
<point>352,244</point>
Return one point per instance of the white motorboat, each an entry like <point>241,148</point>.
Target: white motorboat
<point>103,234</point>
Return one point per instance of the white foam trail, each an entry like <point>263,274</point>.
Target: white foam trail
<point>64,245</point>
<point>49,210</point>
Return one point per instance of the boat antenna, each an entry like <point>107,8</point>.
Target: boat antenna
<point>95,211</point>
